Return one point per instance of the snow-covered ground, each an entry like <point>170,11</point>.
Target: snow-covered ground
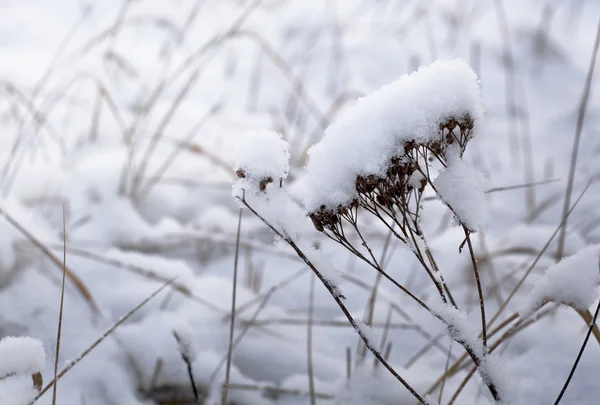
<point>126,118</point>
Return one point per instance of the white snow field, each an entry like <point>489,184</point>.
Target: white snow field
<point>127,125</point>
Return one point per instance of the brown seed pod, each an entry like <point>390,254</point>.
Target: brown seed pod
<point>317,223</point>
<point>263,183</point>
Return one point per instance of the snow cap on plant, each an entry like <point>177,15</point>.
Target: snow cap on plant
<point>22,356</point>
<point>376,155</point>
<point>184,336</point>
<point>261,158</point>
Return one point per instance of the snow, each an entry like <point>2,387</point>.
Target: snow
<point>373,386</point>
<point>367,135</point>
<point>21,355</point>
<point>17,390</point>
<point>491,369</point>
<point>184,335</point>
<point>462,187</point>
<point>573,281</point>
<point>369,335</point>
<point>261,158</point>
<point>460,328</point>
<point>293,68</point>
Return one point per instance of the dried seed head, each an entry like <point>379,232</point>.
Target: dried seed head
<point>317,222</point>
<point>263,183</point>
<point>38,381</point>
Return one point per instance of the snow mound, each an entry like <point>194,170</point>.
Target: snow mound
<point>260,158</point>
<point>573,281</point>
<point>21,355</point>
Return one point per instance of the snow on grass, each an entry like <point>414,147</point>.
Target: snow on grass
<point>460,328</point>
<point>462,187</point>
<point>369,334</point>
<point>492,369</point>
<point>368,134</point>
<point>21,355</point>
<point>184,335</point>
<point>261,158</point>
<point>573,281</point>
<point>17,390</point>
<point>261,164</point>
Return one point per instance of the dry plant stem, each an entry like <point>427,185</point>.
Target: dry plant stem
<point>155,373</point>
<point>445,374</point>
<point>537,258</point>
<point>240,336</point>
<point>373,296</point>
<point>384,335</point>
<point>336,296</point>
<point>433,341</point>
<point>157,92</point>
<point>506,188</point>
<point>510,79</point>
<point>471,372</point>
<point>282,284</point>
<point>144,273</point>
<point>580,119</point>
<point>391,279</point>
<point>419,255</point>
<point>232,322</point>
<point>371,302</point>
<point>60,312</point>
<point>587,337</point>
<point>587,317</point>
<point>279,390</point>
<point>155,178</point>
<point>460,362</point>
<point>479,291</point>
<point>462,385</point>
<point>30,101</point>
<point>191,376</point>
<point>188,363</point>
<point>402,313</point>
<point>87,351</point>
<point>309,349</point>
<point>334,323</point>
<point>348,364</point>
<point>87,295</point>
<point>519,326</point>
<point>377,267</point>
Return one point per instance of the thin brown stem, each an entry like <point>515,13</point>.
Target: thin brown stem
<point>309,348</point>
<point>479,290</point>
<point>232,322</point>
<point>574,153</point>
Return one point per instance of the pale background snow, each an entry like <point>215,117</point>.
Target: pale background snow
<point>293,67</point>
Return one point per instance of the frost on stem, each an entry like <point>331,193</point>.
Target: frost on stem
<point>490,367</point>
<point>573,281</point>
<point>21,355</point>
<point>377,155</point>
<point>184,336</point>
